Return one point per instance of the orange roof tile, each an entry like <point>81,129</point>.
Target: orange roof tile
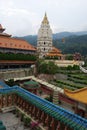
<point>13,43</point>
<point>54,52</point>
<point>78,95</point>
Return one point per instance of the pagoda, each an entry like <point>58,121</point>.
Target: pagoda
<point>44,41</point>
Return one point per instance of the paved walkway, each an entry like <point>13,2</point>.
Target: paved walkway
<point>12,122</point>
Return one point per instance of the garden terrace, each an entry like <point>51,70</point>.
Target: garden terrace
<point>70,120</point>
<point>67,84</point>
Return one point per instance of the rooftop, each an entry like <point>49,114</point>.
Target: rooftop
<point>13,43</point>
<point>68,118</point>
<point>78,95</point>
<point>31,84</point>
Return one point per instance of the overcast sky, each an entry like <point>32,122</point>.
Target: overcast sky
<point>23,17</point>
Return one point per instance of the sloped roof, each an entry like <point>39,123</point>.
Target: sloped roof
<point>78,95</point>
<point>68,118</point>
<point>54,52</point>
<point>13,43</point>
<point>31,84</point>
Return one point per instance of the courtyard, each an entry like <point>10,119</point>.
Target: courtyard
<point>12,122</point>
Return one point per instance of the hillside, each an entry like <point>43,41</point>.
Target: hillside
<point>72,44</point>
<point>66,41</point>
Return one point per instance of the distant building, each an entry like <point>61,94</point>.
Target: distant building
<point>14,45</point>
<point>44,41</point>
<point>10,45</point>
<point>55,54</point>
<point>77,56</point>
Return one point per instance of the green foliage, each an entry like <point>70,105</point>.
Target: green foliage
<point>50,98</point>
<point>71,86</point>
<point>10,82</point>
<point>72,45</point>
<point>11,56</point>
<point>69,57</point>
<point>27,121</point>
<point>74,67</point>
<point>47,67</point>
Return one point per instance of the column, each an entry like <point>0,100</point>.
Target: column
<point>86,111</point>
<point>76,108</point>
<point>52,124</point>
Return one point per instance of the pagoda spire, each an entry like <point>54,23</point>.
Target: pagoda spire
<point>45,19</point>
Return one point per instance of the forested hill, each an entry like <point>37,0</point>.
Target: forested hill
<point>72,44</point>
<point>67,43</point>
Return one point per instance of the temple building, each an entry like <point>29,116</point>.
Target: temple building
<point>14,45</point>
<point>80,99</point>
<point>55,54</point>
<point>14,52</point>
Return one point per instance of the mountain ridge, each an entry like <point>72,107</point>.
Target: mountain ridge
<point>68,42</point>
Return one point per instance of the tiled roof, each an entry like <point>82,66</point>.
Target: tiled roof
<point>78,95</point>
<point>54,52</point>
<point>31,84</point>
<point>13,43</point>
<point>71,120</point>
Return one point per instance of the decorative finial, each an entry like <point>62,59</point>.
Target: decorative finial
<point>45,20</point>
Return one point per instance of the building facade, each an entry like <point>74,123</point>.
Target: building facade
<point>44,41</point>
<point>9,44</point>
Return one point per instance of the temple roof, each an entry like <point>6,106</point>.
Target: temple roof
<point>31,84</point>
<point>70,119</point>
<point>54,52</point>
<point>78,95</point>
<point>13,43</point>
<point>45,20</point>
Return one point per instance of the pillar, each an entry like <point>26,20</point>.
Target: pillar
<point>76,108</point>
<point>52,124</point>
<point>86,111</point>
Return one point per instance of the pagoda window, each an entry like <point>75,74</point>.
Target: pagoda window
<point>44,43</point>
<point>44,49</point>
